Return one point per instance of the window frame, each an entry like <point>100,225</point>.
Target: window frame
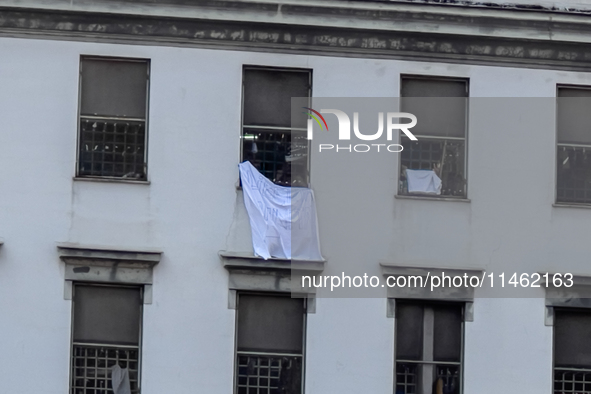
<point>245,68</point>
<point>558,145</point>
<point>568,309</point>
<point>79,117</point>
<point>465,80</point>
<point>236,352</point>
<point>141,289</point>
<point>432,304</point>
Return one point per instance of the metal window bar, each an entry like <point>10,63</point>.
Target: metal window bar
<point>408,379</point>
<point>572,380</point>
<point>573,180</point>
<point>91,367</point>
<point>276,154</point>
<point>112,147</point>
<point>261,373</point>
<point>446,156</point>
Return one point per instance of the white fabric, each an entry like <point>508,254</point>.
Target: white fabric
<point>423,181</point>
<point>120,380</point>
<point>282,219</point>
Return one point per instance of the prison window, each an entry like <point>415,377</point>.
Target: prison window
<point>428,348</point>
<point>274,139</point>
<point>112,121</point>
<point>440,106</point>
<point>270,341</point>
<point>574,145</point>
<point>572,351</point>
<point>106,332</point>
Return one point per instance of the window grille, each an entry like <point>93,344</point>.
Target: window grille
<point>112,148</point>
<point>572,380</point>
<point>446,157</point>
<point>268,374</point>
<point>112,121</point>
<point>408,379</point>
<point>274,139</point>
<point>91,367</point>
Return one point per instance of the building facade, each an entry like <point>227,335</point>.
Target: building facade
<point>126,240</point>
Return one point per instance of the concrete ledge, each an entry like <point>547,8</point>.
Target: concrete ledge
<point>110,180</point>
<point>567,205</point>
<point>389,269</point>
<point>243,260</point>
<point>108,265</point>
<point>458,294</point>
<point>427,198</point>
<point>251,273</point>
<point>107,256</point>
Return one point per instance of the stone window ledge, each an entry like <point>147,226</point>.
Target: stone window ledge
<point>85,263</point>
<point>244,260</point>
<point>251,273</point>
<point>451,294</point>
<point>576,296</point>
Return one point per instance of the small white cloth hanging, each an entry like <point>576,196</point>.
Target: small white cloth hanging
<point>120,380</point>
<point>423,181</point>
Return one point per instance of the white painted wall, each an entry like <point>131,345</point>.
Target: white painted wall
<point>192,209</point>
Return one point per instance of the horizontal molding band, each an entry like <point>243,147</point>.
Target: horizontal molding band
<point>302,39</point>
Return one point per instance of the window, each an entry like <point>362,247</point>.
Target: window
<point>113,108</point>
<point>574,145</point>
<point>105,332</point>
<point>271,141</point>
<point>572,351</point>
<point>270,343</point>
<point>428,348</point>
<point>440,106</point>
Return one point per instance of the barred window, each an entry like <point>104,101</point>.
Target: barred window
<point>112,124</point>
<point>440,106</point>
<point>270,338</point>
<point>572,351</point>
<point>273,139</point>
<point>428,348</point>
<point>574,145</point>
<point>106,333</point>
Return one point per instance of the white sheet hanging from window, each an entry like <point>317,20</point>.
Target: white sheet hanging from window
<point>282,219</point>
<point>423,181</point>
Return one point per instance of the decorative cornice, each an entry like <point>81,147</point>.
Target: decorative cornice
<point>107,256</point>
<point>393,30</point>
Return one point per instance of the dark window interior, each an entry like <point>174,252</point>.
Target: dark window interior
<point>274,139</point>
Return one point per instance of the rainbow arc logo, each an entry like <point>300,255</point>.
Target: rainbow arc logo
<point>315,118</point>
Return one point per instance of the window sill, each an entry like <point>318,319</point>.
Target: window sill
<point>243,260</point>
<point>567,205</point>
<point>426,198</point>
<point>110,180</point>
